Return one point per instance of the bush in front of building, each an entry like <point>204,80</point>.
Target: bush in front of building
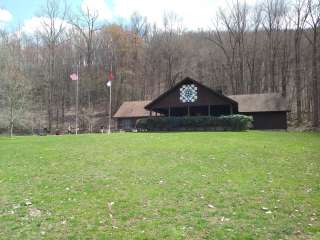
<point>235,122</point>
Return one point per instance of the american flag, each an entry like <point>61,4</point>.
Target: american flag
<point>74,77</point>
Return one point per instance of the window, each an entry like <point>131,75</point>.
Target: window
<point>126,124</point>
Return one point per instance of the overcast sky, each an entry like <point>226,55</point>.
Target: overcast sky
<point>193,14</point>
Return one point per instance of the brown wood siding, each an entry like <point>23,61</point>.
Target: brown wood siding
<point>122,125</point>
<point>269,120</point>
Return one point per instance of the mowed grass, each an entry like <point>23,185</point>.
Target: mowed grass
<point>194,185</point>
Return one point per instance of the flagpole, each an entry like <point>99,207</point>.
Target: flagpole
<point>110,98</point>
<point>110,78</point>
<point>77,98</point>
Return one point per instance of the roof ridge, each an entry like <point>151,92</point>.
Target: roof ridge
<point>137,101</point>
<point>250,94</point>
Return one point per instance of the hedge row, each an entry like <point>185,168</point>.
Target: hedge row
<point>222,123</point>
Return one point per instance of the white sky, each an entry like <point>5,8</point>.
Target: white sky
<point>5,16</point>
<point>193,14</point>
<point>34,24</point>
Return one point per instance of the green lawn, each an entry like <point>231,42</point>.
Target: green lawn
<point>213,185</point>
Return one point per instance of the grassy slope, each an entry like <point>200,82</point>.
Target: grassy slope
<point>161,185</point>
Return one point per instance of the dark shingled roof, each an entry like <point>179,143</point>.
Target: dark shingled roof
<point>132,109</point>
<point>266,102</point>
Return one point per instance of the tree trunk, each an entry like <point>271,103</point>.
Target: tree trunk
<point>298,77</point>
<point>11,121</point>
<point>49,111</point>
<point>57,117</point>
<point>284,72</point>
<point>62,109</point>
<point>315,93</point>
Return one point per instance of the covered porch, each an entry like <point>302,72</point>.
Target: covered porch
<point>189,110</point>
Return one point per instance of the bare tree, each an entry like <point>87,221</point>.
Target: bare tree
<point>274,13</point>
<point>86,23</point>
<point>222,36</point>
<point>299,20</point>
<point>314,23</point>
<point>14,87</point>
<point>171,47</point>
<point>252,57</point>
<point>53,30</point>
<point>285,57</point>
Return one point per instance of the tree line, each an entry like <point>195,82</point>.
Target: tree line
<point>272,46</point>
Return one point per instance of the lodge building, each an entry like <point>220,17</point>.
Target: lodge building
<point>192,98</point>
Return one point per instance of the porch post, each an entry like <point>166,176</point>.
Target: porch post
<point>231,110</point>
<point>150,113</point>
<point>209,110</point>
<point>188,110</point>
<point>169,111</point>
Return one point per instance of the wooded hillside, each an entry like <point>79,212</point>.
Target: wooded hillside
<point>270,47</point>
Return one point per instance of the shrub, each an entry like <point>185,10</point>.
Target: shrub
<point>223,123</point>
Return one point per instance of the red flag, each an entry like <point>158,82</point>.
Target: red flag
<point>110,77</point>
<point>74,77</point>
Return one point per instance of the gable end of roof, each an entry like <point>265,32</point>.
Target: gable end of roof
<point>187,79</point>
